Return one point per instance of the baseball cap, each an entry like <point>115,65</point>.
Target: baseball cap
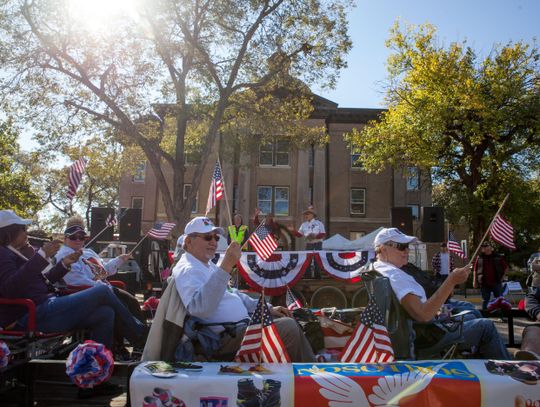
<point>70,231</point>
<point>392,235</point>
<point>201,224</point>
<point>8,217</point>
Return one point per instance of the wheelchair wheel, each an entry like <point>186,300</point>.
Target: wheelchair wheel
<point>360,298</point>
<point>326,297</point>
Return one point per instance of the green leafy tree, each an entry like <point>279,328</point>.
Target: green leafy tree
<point>16,190</point>
<point>173,78</point>
<point>475,123</point>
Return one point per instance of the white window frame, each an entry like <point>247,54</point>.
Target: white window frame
<point>271,148</point>
<point>358,202</point>
<point>141,198</point>
<point>412,176</point>
<point>140,172</point>
<point>354,164</point>
<point>415,210</point>
<point>273,200</point>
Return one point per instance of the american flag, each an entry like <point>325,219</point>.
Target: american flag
<point>111,220</point>
<point>216,188</point>
<point>502,232</point>
<point>261,342</point>
<point>369,342</point>
<point>263,242</point>
<point>160,231</point>
<point>291,301</point>
<point>76,172</point>
<point>454,246</point>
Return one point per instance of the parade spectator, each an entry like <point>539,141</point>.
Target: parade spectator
<point>311,229</point>
<point>203,289</point>
<point>442,263</point>
<point>90,270</point>
<point>273,226</point>
<point>392,249</point>
<point>25,273</point>
<point>530,339</point>
<point>533,266</point>
<point>238,232</point>
<point>490,268</point>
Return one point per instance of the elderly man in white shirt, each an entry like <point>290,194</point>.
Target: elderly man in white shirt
<point>204,290</point>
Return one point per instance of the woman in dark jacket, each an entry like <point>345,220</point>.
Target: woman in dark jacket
<point>25,273</point>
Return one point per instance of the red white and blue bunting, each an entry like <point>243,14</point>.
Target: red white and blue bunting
<point>280,270</point>
<point>286,268</point>
<point>343,265</point>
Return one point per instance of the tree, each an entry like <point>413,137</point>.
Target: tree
<point>194,69</point>
<point>474,123</point>
<point>16,190</point>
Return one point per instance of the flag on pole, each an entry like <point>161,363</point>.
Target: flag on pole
<point>111,220</point>
<point>291,300</point>
<point>261,342</point>
<point>369,342</point>
<point>76,172</point>
<point>160,231</point>
<point>263,241</point>
<point>454,246</point>
<point>216,188</point>
<point>502,232</point>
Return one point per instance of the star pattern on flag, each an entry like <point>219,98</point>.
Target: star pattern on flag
<point>216,188</point>
<point>263,242</point>
<point>454,246</point>
<point>291,301</point>
<point>369,342</point>
<point>160,231</point>
<point>76,172</point>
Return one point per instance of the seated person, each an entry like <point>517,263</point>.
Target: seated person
<point>530,342</point>
<point>89,270</point>
<point>430,286</point>
<point>25,273</point>
<point>203,289</point>
<point>392,249</point>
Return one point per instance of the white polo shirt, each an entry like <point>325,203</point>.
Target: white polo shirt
<point>402,283</point>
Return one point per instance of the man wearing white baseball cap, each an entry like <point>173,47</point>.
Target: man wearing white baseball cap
<point>392,249</point>
<point>203,288</point>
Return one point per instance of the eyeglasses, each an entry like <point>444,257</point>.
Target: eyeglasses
<point>208,238</point>
<point>77,237</point>
<point>400,246</point>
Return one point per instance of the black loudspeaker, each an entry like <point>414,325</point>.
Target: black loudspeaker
<point>97,223</point>
<point>130,225</point>
<point>433,224</point>
<point>402,219</point>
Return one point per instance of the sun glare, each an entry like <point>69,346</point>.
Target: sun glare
<point>98,14</point>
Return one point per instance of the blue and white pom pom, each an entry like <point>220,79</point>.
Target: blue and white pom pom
<point>89,364</point>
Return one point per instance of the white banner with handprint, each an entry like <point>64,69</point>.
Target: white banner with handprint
<point>461,383</point>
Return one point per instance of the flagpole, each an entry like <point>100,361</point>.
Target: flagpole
<point>138,244</point>
<point>96,236</point>
<point>488,229</point>
<point>225,192</point>
<point>263,305</point>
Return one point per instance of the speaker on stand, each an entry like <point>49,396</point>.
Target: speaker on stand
<point>130,225</point>
<point>402,219</point>
<point>432,229</point>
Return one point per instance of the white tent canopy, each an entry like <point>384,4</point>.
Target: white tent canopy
<point>338,242</point>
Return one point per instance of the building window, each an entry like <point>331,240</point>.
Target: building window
<point>415,209</point>
<point>137,202</point>
<point>354,160</point>
<point>356,235</point>
<point>358,201</point>
<point>273,200</point>
<point>275,154</point>
<point>187,189</point>
<point>140,172</point>
<point>413,179</point>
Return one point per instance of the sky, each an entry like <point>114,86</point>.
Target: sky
<point>482,23</point>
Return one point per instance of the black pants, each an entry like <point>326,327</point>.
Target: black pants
<point>314,269</point>
<point>132,304</point>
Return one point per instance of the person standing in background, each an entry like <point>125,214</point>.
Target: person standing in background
<point>442,263</point>
<point>489,269</point>
<point>238,232</point>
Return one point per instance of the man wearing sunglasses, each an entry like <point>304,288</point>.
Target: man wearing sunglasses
<point>204,290</point>
<point>392,249</point>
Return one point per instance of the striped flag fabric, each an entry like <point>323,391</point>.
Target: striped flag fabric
<point>369,342</point>
<point>261,342</point>
<point>216,188</point>
<point>454,246</point>
<point>263,241</point>
<point>291,300</point>
<point>502,232</point>
<point>160,231</point>
<point>111,220</point>
<point>76,172</point>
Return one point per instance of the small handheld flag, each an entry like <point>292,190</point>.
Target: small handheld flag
<point>263,242</point>
<point>454,246</point>
<point>160,231</point>
<point>369,342</point>
<point>111,220</point>
<point>76,172</point>
<point>502,232</point>
<point>262,342</point>
<point>216,188</point>
<point>291,301</point>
